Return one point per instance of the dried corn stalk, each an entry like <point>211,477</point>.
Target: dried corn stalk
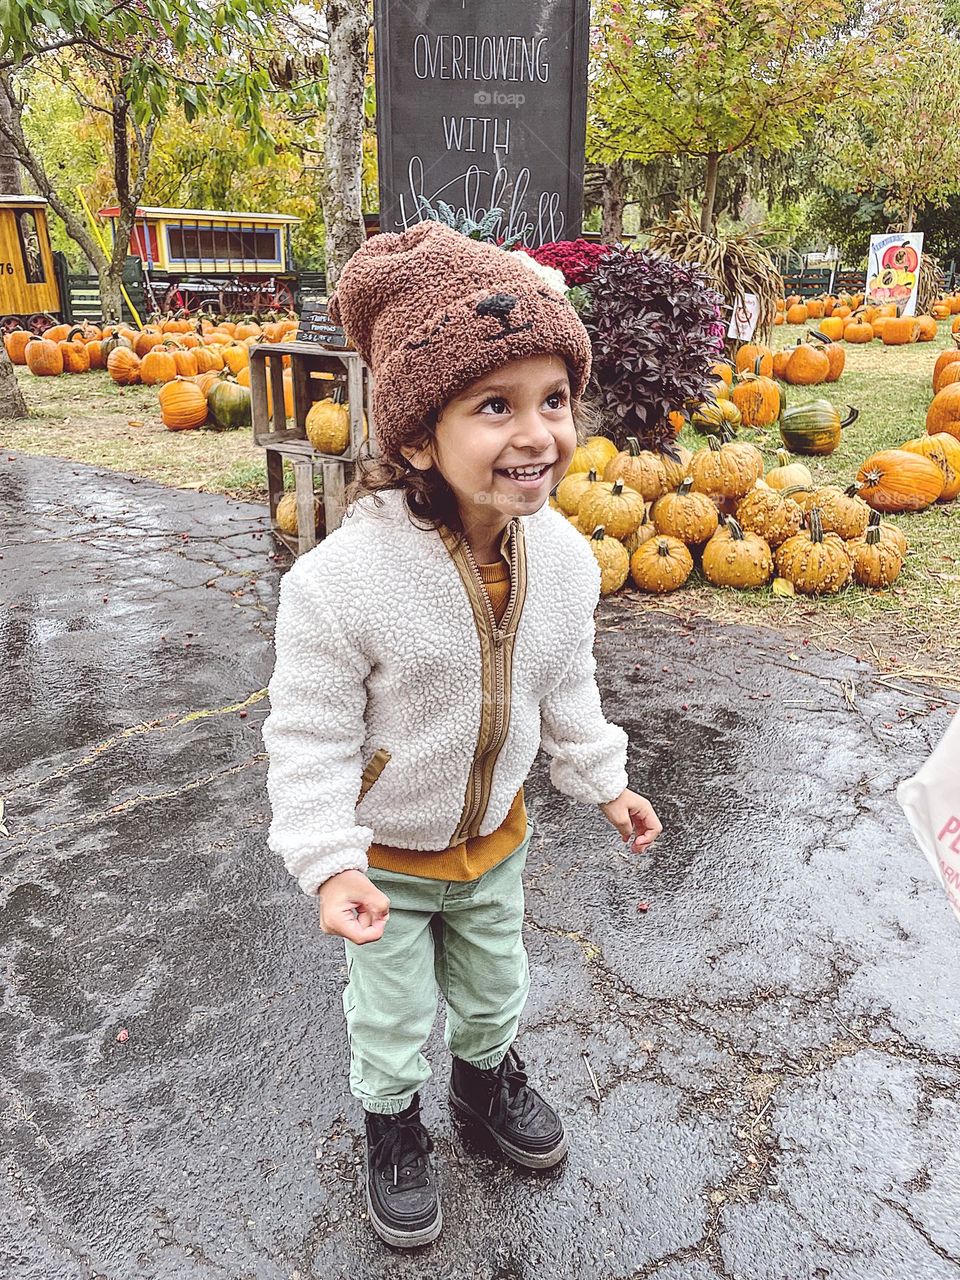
<point>930,284</point>
<point>736,265</point>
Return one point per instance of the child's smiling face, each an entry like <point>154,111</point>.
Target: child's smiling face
<point>519,415</point>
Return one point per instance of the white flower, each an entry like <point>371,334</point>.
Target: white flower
<point>549,275</point>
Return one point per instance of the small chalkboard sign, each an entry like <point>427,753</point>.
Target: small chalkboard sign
<point>316,327</point>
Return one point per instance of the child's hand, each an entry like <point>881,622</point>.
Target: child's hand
<point>351,906</point>
<point>633,816</point>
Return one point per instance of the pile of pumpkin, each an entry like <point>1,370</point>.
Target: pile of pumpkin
<point>652,515</point>
<point>846,319</point>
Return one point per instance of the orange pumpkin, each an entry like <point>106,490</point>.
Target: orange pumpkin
<point>807,366</point>
<point>123,366</point>
<point>183,406</point>
<point>943,414</point>
<point>797,313</point>
<point>815,308</point>
<point>894,480</point>
<point>857,331</point>
<point>780,359</point>
<point>76,359</point>
<point>831,327</point>
<point>899,331</point>
<point>236,357</point>
<point>185,362</point>
<point>944,450</point>
<point>44,357</point>
<point>15,344</point>
<point>835,354</point>
<point>146,341</point>
<point>758,399</point>
<point>944,359</point>
<point>57,333</point>
<point>748,356</point>
<point>926,328</point>
<point>157,366</point>
<point>95,352</point>
<point>724,371</point>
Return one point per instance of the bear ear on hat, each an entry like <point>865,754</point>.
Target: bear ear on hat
<point>333,309</point>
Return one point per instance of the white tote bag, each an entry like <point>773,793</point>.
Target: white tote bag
<point>931,801</point>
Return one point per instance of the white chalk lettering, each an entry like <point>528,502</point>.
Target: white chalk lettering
<point>519,59</point>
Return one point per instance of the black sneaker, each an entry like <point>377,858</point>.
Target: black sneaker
<point>520,1122</point>
<point>401,1188</point>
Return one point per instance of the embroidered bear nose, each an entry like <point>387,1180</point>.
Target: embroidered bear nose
<point>498,304</point>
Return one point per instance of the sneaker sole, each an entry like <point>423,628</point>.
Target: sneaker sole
<point>404,1239</point>
<point>529,1159</point>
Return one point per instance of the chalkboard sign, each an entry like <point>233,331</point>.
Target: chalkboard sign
<point>483,105</point>
<point>317,327</point>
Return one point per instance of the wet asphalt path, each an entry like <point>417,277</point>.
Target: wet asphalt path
<point>775,1040</point>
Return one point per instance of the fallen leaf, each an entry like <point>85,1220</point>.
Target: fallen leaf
<point>123,1035</point>
<point>782,587</point>
<point>134,422</point>
<point>794,657</point>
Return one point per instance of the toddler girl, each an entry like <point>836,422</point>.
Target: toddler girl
<point>426,649</point>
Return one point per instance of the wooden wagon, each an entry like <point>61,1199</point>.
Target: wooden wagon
<point>29,292</point>
<point>205,260</point>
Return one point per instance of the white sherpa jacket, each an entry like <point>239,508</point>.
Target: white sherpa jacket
<point>402,713</point>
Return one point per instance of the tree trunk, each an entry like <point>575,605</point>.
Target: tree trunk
<point>613,195</point>
<point>12,404</point>
<point>111,299</point>
<point>709,193</point>
<point>9,169</point>
<point>908,225</point>
<point>348,27</point>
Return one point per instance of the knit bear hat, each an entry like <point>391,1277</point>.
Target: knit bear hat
<point>430,311</point>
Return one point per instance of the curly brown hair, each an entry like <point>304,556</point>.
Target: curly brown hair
<point>428,496</point>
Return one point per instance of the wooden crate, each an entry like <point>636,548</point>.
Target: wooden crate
<point>307,361</point>
<point>290,443</point>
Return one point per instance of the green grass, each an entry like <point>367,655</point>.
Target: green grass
<point>917,621</point>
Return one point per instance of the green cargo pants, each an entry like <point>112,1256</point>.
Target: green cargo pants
<point>463,938</point>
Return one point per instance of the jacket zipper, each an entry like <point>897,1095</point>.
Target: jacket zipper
<point>498,634</point>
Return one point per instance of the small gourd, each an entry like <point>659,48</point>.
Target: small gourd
<point>328,426</point>
<point>733,558</point>
<point>842,511</point>
<point>662,564</point>
<point>768,513</point>
<point>612,558</point>
<point>691,517</point>
<point>786,473</point>
<point>676,463</point>
<point>876,562</point>
<point>571,489</point>
<point>817,563</point>
<point>640,469</point>
<point>286,516</point>
<point>643,533</point>
<point>617,507</point>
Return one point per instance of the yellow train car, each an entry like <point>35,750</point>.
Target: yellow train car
<point>29,293</point>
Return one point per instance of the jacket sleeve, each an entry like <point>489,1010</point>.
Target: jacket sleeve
<point>589,753</point>
<point>314,736</point>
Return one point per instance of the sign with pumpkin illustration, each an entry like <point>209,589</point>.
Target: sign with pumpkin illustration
<point>893,270</point>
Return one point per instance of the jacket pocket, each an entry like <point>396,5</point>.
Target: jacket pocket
<point>375,766</point>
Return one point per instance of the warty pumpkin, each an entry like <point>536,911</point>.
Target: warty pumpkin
<point>787,473</point>
<point>183,406</point>
<point>691,517</point>
<point>770,514</point>
<point>676,464</point>
<point>725,470</point>
<point>890,532</point>
<point>610,503</point>
<point>640,469</point>
<point>662,564</point>
<point>646,530</point>
<point>710,417</point>
<point>612,557</point>
<point>842,511</point>
<point>944,450</point>
<point>895,480</point>
<point>286,515</point>
<point>571,489</point>
<point>328,426</point>
<point>817,563</point>
<point>814,428</point>
<point>602,449</point>
<point>736,558</point>
<point>876,562</point>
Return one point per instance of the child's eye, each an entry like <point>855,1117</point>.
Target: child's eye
<point>556,399</point>
<point>498,404</point>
